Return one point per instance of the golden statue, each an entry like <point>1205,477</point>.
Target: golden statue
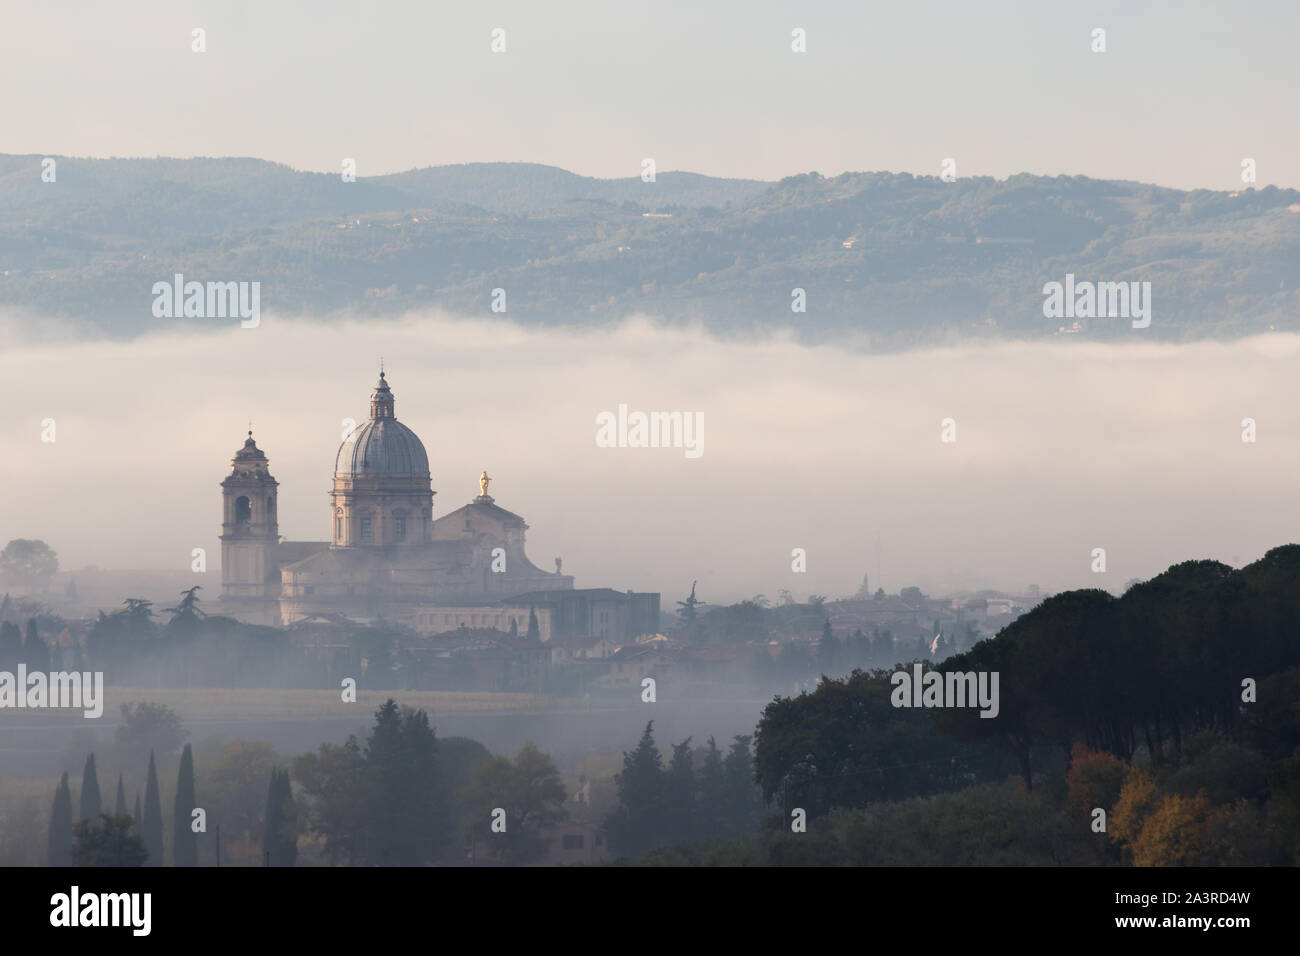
<point>483,481</point>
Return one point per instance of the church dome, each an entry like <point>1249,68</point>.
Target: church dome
<point>382,446</point>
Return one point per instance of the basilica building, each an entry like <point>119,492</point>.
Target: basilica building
<point>389,557</point>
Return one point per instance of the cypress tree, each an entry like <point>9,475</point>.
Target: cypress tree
<point>185,847</point>
<point>36,653</point>
<point>59,849</point>
<point>151,825</point>
<point>119,808</point>
<point>11,645</point>
<point>534,632</point>
<point>280,833</point>
<point>90,804</point>
<point>271,824</point>
<point>288,822</point>
<point>135,817</point>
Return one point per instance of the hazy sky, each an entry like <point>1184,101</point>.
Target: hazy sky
<point>1061,448</point>
<point>1183,93</point>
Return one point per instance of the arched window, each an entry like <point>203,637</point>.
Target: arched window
<point>270,506</point>
<point>243,510</point>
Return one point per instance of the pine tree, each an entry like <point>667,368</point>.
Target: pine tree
<point>742,800</point>
<point>185,847</point>
<point>713,793</point>
<point>90,804</point>
<point>408,820</point>
<point>636,826</point>
<point>679,794</point>
<point>119,808</point>
<point>151,825</point>
<point>689,612</point>
<point>59,848</point>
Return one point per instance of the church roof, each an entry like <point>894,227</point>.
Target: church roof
<point>382,446</point>
<point>486,507</point>
<point>250,451</point>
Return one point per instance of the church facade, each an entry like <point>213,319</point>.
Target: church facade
<point>387,556</point>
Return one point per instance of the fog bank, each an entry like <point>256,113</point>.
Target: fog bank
<point>1061,448</point>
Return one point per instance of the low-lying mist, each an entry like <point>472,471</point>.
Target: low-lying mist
<point>1061,447</point>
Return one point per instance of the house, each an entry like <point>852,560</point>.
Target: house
<point>593,647</point>
<point>630,664</point>
<point>571,843</point>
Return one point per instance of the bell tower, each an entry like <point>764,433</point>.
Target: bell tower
<point>250,531</point>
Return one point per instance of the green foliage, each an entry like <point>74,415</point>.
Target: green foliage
<point>151,823</point>
<point>531,793</point>
<point>387,804</point>
<point>11,646</point>
<point>110,842</point>
<point>146,728</point>
<point>681,804</point>
<point>280,832</point>
<point>24,836</point>
<point>185,847</point>
<point>926,262</point>
<point>846,745</point>
<point>633,827</point>
<point>35,653</point>
<point>232,777</point>
<point>660,807</point>
<point>1149,668</point>
<point>28,564</point>
<point>338,796</point>
<point>59,847</point>
<point>89,802</point>
<point>186,615</point>
<point>986,825</point>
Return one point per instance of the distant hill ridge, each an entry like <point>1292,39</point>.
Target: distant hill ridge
<point>906,260</point>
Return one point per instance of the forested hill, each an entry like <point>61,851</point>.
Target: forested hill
<point>906,260</point>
